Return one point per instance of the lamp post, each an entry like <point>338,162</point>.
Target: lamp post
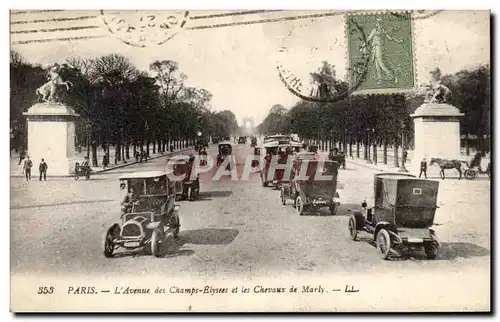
<point>368,158</point>
<point>403,149</point>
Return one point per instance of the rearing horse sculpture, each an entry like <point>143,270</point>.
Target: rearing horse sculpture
<point>48,91</point>
<point>448,164</point>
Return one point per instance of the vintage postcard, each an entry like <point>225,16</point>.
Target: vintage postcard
<point>250,161</point>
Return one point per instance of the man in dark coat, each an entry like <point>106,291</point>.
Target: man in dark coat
<point>42,168</point>
<point>423,168</point>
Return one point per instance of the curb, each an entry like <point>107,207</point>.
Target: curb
<point>98,172</point>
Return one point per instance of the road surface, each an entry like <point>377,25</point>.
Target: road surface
<point>238,228</point>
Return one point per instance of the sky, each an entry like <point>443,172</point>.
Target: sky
<point>237,64</point>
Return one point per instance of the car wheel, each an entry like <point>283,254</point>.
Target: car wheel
<point>352,228</point>
<point>334,209</point>
<point>299,206</point>
<point>431,249</point>
<point>87,176</point>
<point>109,245</point>
<point>77,177</point>
<point>283,199</point>
<point>155,242</point>
<point>384,243</point>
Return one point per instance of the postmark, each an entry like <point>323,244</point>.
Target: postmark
<point>144,28</point>
<point>315,68</point>
<point>386,39</point>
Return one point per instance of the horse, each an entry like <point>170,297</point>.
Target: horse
<point>47,91</point>
<point>448,164</point>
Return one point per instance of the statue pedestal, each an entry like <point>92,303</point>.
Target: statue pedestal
<point>437,134</point>
<point>51,136</point>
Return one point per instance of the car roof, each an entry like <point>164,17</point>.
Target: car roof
<point>143,175</point>
<point>395,176</point>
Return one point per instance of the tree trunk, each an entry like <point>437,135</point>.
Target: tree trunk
<point>357,148</point>
<point>396,162</point>
<point>95,162</point>
<point>127,150</point>
<point>385,151</point>
<point>154,145</point>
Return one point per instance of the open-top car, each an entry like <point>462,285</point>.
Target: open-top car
<point>253,143</point>
<point>336,155</point>
<point>187,188</point>
<point>402,215</point>
<point>313,184</point>
<point>148,215</point>
<point>279,151</point>
<point>225,150</point>
<point>242,140</point>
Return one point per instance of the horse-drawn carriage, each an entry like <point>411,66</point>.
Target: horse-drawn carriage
<point>470,170</point>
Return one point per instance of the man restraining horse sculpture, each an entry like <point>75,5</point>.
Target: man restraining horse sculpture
<point>436,92</point>
<point>48,91</point>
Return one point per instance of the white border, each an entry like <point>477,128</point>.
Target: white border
<point>185,4</point>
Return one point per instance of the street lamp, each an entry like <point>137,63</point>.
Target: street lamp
<point>368,158</point>
<point>403,149</point>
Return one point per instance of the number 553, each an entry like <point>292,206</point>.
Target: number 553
<point>45,290</point>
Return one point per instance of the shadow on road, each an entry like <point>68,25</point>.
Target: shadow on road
<point>172,248</point>
<point>215,194</point>
<point>208,236</point>
<point>463,250</point>
<point>447,251</point>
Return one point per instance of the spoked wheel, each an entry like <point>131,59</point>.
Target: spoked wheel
<point>299,206</point>
<point>109,245</point>
<point>384,243</point>
<point>283,199</point>
<point>77,177</point>
<point>469,174</point>
<point>352,228</point>
<point>176,223</point>
<point>155,242</point>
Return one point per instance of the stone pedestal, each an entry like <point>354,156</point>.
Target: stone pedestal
<point>51,136</point>
<point>437,134</point>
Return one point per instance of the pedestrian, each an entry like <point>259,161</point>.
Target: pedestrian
<point>42,168</point>
<point>171,148</point>
<point>423,168</point>
<point>405,155</point>
<point>27,167</point>
<point>105,160</point>
<point>22,155</point>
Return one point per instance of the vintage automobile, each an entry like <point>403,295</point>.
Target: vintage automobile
<point>474,167</point>
<point>82,171</point>
<point>215,139</point>
<point>149,218</point>
<point>281,150</point>
<point>188,188</point>
<point>225,150</point>
<point>314,189</point>
<point>339,156</point>
<point>253,143</point>
<point>242,140</point>
<point>312,148</point>
<point>402,215</point>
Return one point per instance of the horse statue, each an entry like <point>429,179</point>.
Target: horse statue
<point>448,164</point>
<point>435,91</point>
<point>48,91</point>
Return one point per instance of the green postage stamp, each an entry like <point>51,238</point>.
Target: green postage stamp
<point>380,52</point>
